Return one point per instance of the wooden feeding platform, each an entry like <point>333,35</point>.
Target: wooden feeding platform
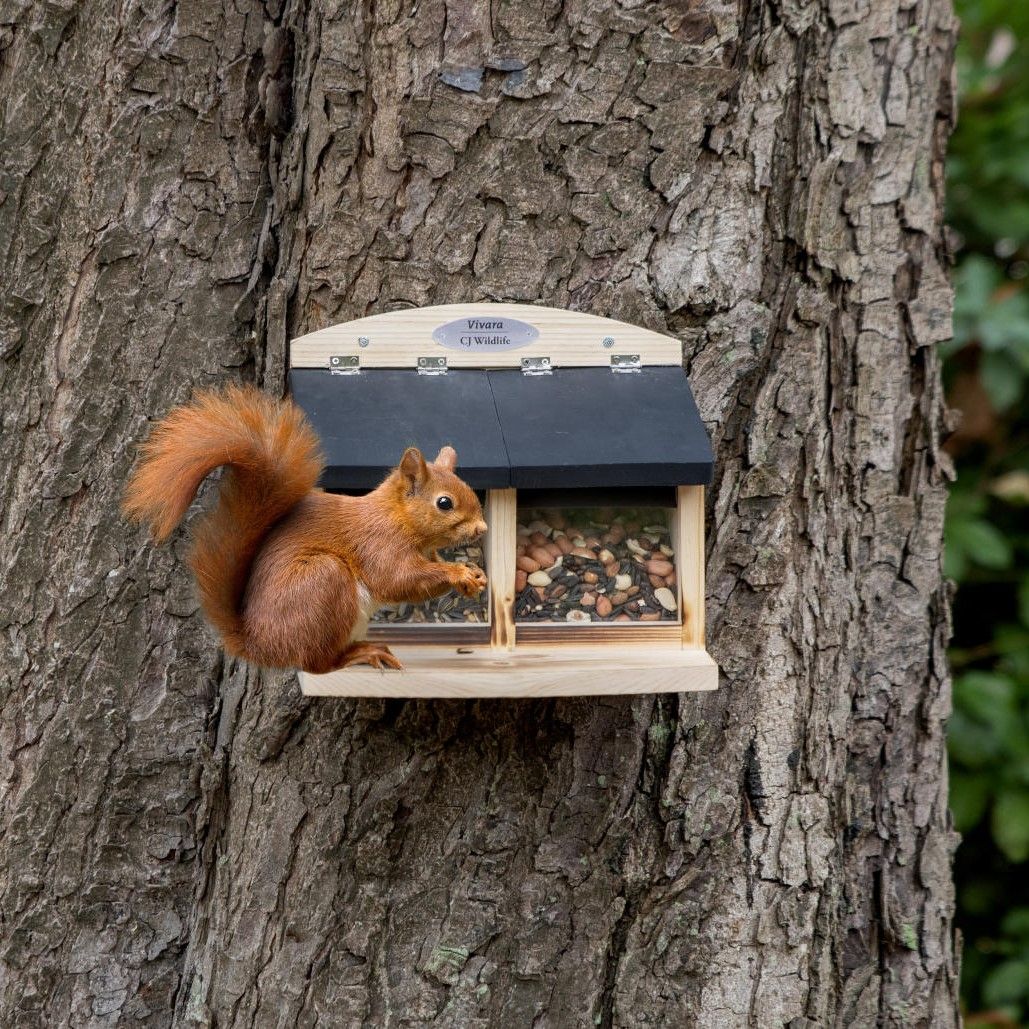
<point>582,436</point>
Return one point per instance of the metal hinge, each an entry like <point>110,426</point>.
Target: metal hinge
<point>536,366</point>
<point>626,363</point>
<point>341,364</point>
<point>432,366</point>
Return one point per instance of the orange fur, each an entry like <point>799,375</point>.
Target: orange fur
<point>283,568</point>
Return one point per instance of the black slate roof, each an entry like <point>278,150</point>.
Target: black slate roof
<point>574,428</point>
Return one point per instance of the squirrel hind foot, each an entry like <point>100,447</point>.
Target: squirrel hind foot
<point>375,654</point>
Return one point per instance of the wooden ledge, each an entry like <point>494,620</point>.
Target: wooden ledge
<point>564,671</point>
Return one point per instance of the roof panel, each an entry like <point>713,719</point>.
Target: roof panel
<point>583,427</point>
<point>366,422</point>
<point>575,428</point>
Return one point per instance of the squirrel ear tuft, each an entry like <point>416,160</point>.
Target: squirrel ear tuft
<point>446,459</point>
<point>412,466</point>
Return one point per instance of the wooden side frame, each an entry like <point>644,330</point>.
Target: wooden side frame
<point>688,541</point>
<point>502,519</point>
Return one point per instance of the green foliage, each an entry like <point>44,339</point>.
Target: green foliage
<point>989,178</point>
<point>997,320</point>
<point>971,538</point>
<point>987,531</point>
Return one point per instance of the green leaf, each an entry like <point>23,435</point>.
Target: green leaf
<point>965,498</point>
<point>970,743</point>
<point>1016,923</point>
<point>1012,643</point>
<point>976,280</point>
<point>1004,325</point>
<point>981,896</point>
<point>987,696</point>
<point>969,795</point>
<point>1008,983</point>
<point>976,283</point>
<point>976,540</point>
<point>955,563</point>
<point>988,546</point>
<point>1002,379</point>
<point>1010,824</point>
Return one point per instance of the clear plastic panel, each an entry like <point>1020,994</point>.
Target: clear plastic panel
<point>451,608</point>
<point>588,564</point>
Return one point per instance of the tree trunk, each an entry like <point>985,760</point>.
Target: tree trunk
<point>185,187</point>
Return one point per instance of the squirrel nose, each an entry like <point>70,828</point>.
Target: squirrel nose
<point>480,529</point>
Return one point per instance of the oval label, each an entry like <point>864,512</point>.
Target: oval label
<point>485,332</point>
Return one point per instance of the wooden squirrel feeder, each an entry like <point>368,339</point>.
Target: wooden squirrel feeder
<point>583,436</point>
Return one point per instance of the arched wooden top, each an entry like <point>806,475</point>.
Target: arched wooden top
<point>397,339</point>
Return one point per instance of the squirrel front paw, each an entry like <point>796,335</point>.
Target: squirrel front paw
<point>469,580</point>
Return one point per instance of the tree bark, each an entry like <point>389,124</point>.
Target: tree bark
<point>188,842</point>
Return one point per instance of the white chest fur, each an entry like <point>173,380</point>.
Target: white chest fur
<point>367,606</point>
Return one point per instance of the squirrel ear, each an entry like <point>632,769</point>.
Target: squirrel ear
<point>412,466</point>
<point>446,459</point>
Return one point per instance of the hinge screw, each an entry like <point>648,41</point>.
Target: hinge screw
<point>609,341</point>
<point>362,341</point>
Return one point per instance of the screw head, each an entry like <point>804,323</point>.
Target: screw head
<point>608,341</point>
<point>362,341</point>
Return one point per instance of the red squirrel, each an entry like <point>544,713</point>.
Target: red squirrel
<point>289,574</point>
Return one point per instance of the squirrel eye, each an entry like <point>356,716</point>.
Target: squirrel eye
<point>445,503</point>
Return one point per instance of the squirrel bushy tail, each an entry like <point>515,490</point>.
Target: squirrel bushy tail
<point>273,460</point>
